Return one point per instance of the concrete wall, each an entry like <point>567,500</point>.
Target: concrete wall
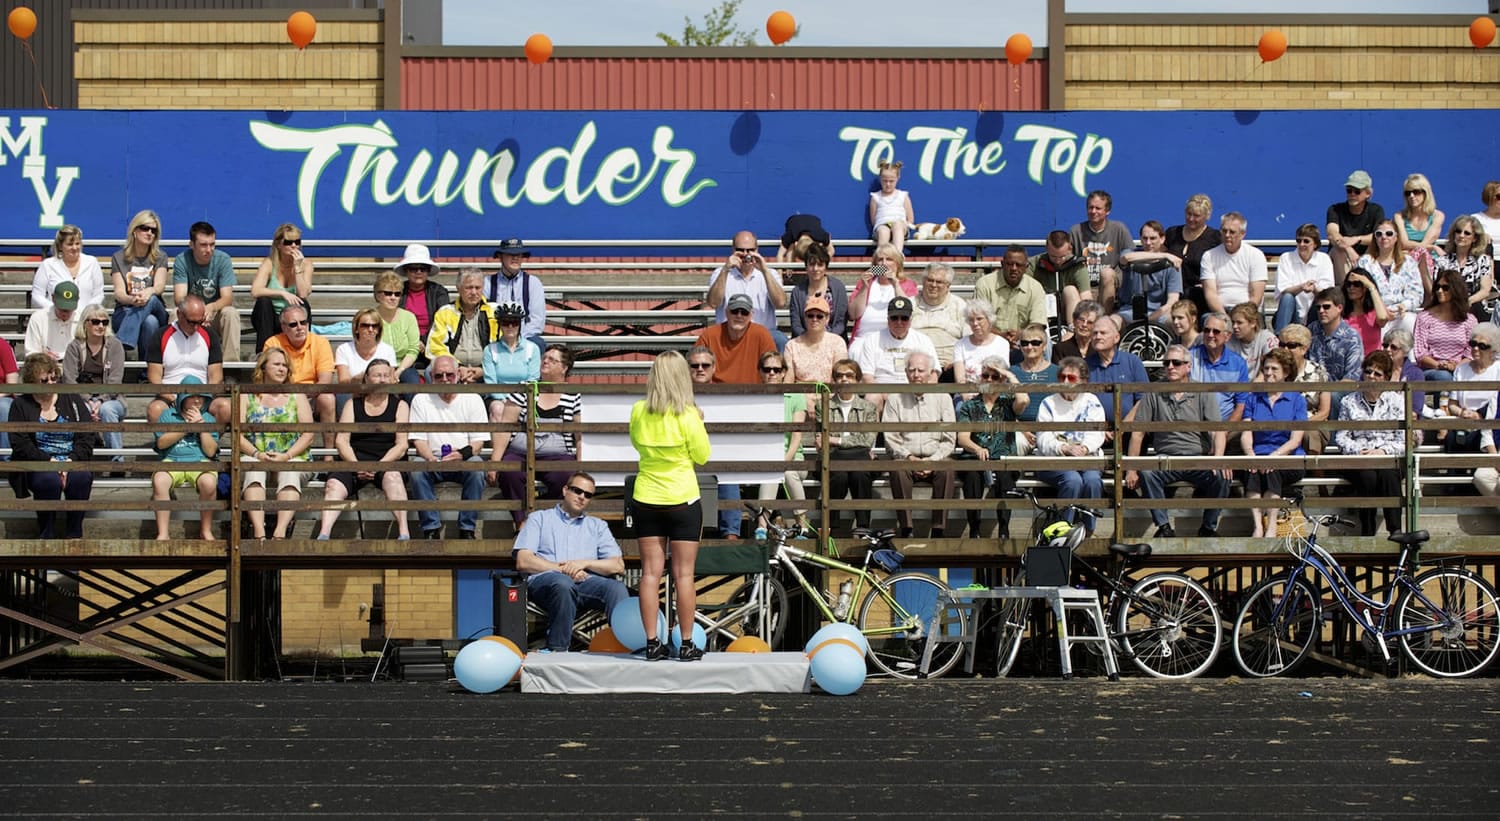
<point>1210,62</point>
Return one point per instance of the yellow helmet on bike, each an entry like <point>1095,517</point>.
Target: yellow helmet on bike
<point>1057,530</point>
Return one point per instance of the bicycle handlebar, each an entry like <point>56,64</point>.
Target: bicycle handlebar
<point>1052,510</point>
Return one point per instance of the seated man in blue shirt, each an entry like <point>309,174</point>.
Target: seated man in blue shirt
<point>1108,364</point>
<point>572,559</point>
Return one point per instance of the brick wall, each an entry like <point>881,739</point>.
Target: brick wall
<point>1212,63</point>
<point>320,610</point>
<point>226,64</point>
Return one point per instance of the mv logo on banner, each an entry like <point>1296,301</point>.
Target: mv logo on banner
<point>34,168</point>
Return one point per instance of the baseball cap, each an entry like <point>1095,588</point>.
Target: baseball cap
<point>65,295</point>
<point>739,301</point>
<point>900,306</point>
<point>1359,179</point>
<point>817,303</point>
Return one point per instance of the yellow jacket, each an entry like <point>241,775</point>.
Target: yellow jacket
<point>669,446</point>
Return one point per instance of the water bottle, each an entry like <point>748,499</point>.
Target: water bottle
<point>846,589</point>
<point>447,449</point>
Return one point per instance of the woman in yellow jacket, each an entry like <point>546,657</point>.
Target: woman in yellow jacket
<point>666,429</point>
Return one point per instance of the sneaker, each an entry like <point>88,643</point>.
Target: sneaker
<point>760,534</point>
<point>1208,532</point>
<point>654,650</point>
<point>1165,531</point>
<point>689,652</point>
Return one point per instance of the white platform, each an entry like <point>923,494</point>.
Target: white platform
<point>715,673</point>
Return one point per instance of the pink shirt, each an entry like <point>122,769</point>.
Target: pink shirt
<point>1369,331</point>
<point>416,302</point>
<point>1441,339</point>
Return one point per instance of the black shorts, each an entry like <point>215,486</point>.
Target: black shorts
<point>675,523</point>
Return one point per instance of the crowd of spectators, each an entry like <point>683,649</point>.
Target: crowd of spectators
<point>1390,297</point>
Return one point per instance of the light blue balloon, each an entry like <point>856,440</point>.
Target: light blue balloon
<point>700,638</point>
<point>838,630</point>
<point>485,666</point>
<point>838,669</point>
<point>625,621</point>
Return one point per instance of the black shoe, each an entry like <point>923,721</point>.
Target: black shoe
<point>1165,531</point>
<point>689,652</point>
<point>1207,532</point>
<point>937,533</point>
<point>654,650</point>
<point>906,532</point>
<point>467,534</point>
<point>433,533</point>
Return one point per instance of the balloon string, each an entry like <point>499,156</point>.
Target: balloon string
<point>26,44</point>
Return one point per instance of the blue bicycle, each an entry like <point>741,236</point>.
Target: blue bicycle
<point>1446,619</point>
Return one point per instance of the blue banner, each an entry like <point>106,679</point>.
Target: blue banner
<point>704,175</point>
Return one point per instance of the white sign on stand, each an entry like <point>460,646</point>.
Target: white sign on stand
<point>727,447</point>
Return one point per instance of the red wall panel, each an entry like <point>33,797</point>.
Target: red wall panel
<point>707,84</point>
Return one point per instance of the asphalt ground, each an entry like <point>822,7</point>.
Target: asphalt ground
<point>998,748</point>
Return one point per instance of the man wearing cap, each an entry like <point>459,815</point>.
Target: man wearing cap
<point>745,272</point>
<point>511,284</point>
<point>882,356</point>
<point>1351,224</point>
<point>208,272</point>
<point>420,295</point>
<point>50,329</point>
<point>737,343</point>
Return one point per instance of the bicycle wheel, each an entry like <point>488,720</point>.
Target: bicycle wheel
<point>1458,619</point>
<point>1012,626</point>
<point>1168,626</point>
<point>894,617</point>
<point>1277,626</point>
<point>740,614</point>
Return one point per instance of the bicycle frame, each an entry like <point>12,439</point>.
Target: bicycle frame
<point>789,557</point>
<point>1318,559</point>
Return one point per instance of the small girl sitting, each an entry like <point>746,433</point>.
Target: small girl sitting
<point>890,208</point>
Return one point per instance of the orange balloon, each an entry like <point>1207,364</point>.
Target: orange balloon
<point>508,643</point>
<point>1272,46</point>
<point>604,641</point>
<point>749,644</point>
<point>851,644</point>
<point>780,27</point>
<point>538,48</point>
<point>22,22</point>
<point>301,27</point>
<point>1017,49</point>
<point>1481,31</point>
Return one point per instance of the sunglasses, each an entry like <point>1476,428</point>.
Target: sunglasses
<point>773,370</point>
<point>446,376</point>
<point>1325,306</point>
<point>515,322</point>
<point>845,375</point>
<point>1387,346</point>
<point>426,269</point>
<point>700,366</point>
<point>815,315</point>
<point>1385,233</point>
<point>1416,193</point>
<point>899,318</point>
<point>187,320</point>
<point>1068,377</point>
<point>297,242</point>
<point>150,229</point>
<point>294,323</point>
<point>1292,346</point>
<point>390,293</point>
<point>1030,343</point>
<point>99,321</point>
<point>1441,288</point>
<point>1464,233</point>
<point>587,494</point>
<point>739,312</point>
<point>1214,332</point>
<point>367,326</point>
<point>1479,346</point>
<point>1174,363</point>
<point>1349,189</point>
<point>990,377</point>
<point>1375,373</point>
<point>49,379</point>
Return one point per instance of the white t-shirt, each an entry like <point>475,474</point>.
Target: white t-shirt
<point>882,357</point>
<point>968,356</point>
<point>466,409</point>
<point>1491,226</point>
<point>347,356</point>
<point>1291,272</point>
<point>1233,273</point>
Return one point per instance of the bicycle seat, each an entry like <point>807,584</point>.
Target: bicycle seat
<point>1131,551</point>
<point>873,536</point>
<point>1410,538</point>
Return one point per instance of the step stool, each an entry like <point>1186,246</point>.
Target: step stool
<point>1060,599</point>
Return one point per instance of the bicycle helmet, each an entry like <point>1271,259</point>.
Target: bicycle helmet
<point>509,310</point>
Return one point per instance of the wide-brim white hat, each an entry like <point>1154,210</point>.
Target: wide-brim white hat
<point>417,254</point>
